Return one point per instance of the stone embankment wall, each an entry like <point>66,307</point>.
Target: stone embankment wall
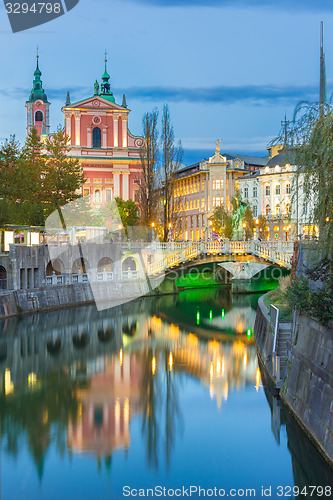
<point>307,388</point>
<point>308,385</point>
<point>53,297</point>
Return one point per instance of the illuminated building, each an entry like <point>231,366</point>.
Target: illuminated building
<point>98,133</point>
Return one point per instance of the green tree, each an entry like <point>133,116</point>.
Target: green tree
<point>128,211</point>
<point>63,176</point>
<point>222,223</point>
<point>249,222</point>
<point>10,153</point>
<point>31,169</point>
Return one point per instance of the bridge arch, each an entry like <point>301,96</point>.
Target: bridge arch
<point>105,334</point>
<point>3,278</point>
<point>54,267</point>
<point>80,340</point>
<point>80,265</point>
<point>105,264</point>
<point>53,347</point>
<point>129,264</point>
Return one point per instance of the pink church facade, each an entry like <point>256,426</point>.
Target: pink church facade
<point>99,137</point>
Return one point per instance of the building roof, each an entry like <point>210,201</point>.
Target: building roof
<point>249,160</point>
<point>285,156</point>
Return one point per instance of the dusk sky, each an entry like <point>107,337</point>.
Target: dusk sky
<point>229,69</point>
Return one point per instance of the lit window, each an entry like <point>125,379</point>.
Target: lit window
<point>288,188</point>
<point>277,189</point>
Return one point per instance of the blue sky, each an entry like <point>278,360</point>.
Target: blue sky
<point>228,69</point>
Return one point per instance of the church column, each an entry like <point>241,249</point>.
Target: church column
<point>115,131</point>
<point>68,124</point>
<point>89,137</point>
<point>125,186</point>
<point>105,137</point>
<point>77,129</point>
<point>124,130</point>
<point>116,184</point>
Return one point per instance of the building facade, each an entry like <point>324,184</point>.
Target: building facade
<point>276,192</point>
<point>201,187</point>
<point>99,137</point>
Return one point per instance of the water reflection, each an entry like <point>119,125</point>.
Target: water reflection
<point>96,384</point>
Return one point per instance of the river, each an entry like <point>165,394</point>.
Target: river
<point>158,393</point>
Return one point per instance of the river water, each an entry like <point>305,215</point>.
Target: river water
<point>158,393</point>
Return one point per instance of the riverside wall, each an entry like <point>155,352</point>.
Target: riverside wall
<point>307,387</point>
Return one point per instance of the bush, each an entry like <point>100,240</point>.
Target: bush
<point>317,304</point>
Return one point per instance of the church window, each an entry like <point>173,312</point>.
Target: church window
<point>38,116</point>
<point>97,137</point>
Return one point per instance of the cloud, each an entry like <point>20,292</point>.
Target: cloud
<point>248,94</point>
<point>251,94</point>
<point>309,5</point>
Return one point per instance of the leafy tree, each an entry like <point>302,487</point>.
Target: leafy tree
<point>172,156</point>
<point>249,222</point>
<point>148,157</point>
<point>222,223</point>
<point>63,176</point>
<point>31,169</point>
<point>128,212</point>
<point>9,164</point>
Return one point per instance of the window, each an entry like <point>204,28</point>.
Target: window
<point>97,196</point>
<point>255,210</point>
<point>108,194</point>
<point>255,191</point>
<point>217,201</point>
<point>86,192</point>
<point>288,208</point>
<point>277,189</point>
<point>137,196</point>
<point>97,181</point>
<point>268,210</point>
<point>202,185</point>
<point>97,137</point>
<point>277,209</point>
<point>267,190</point>
<point>217,184</point>
<point>246,192</point>
<point>202,202</point>
<point>288,188</point>
<point>38,116</point>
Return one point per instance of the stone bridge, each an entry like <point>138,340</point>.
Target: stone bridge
<point>177,254</point>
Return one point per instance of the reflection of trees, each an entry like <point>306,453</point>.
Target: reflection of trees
<point>160,407</point>
<point>39,415</point>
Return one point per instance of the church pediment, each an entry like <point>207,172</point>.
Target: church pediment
<point>95,102</point>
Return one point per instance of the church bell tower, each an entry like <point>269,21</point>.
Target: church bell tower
<point>38,115</point>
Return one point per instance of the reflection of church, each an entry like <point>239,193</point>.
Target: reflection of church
<point>99,136</point>
<point>106,408</point>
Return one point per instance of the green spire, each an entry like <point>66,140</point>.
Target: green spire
<point>105,87</point>
<point>37,91</point>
